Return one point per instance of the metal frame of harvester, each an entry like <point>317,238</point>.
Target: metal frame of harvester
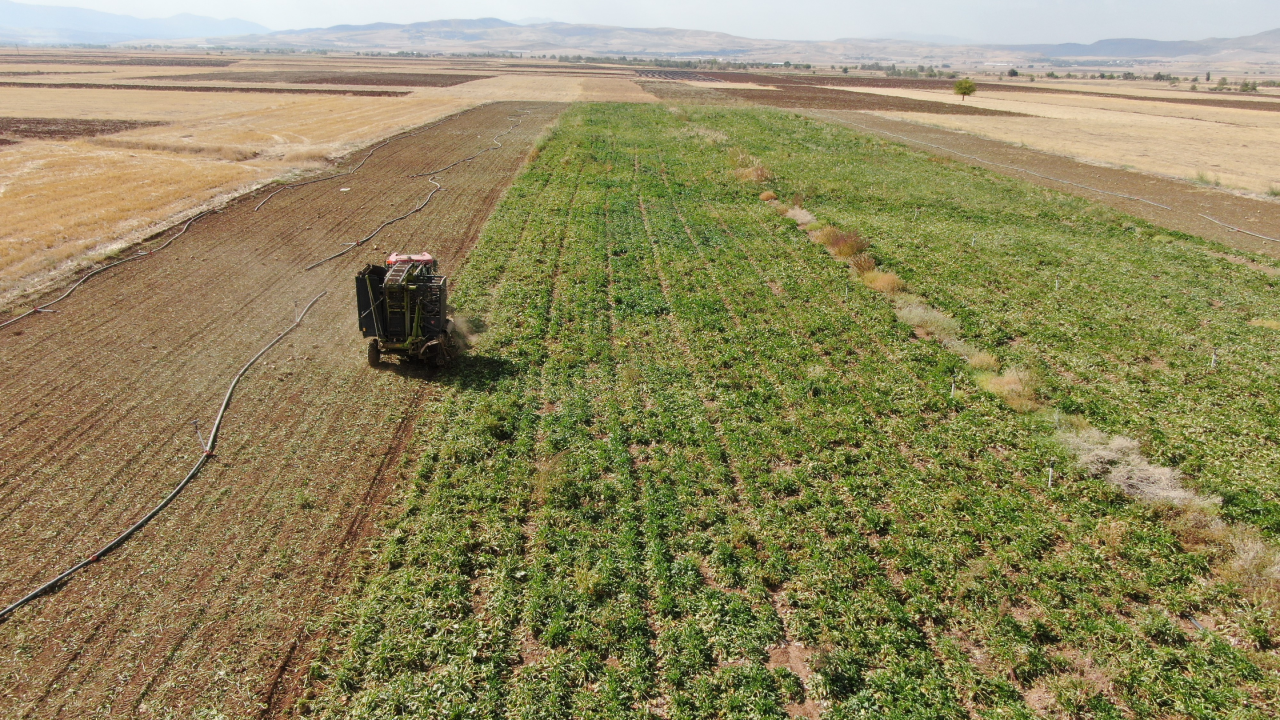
<point>403,309</point>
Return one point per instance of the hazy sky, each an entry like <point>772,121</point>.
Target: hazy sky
<point>996,21</point>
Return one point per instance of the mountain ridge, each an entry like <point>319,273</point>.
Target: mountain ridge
<point>56,24</point>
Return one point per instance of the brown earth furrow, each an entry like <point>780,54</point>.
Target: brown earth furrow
<point>204,611</point>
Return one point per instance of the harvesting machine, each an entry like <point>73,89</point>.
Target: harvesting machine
<point>403,309</point>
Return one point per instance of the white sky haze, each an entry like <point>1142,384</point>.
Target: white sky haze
<point>988,21</point>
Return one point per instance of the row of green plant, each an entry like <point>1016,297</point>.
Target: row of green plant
<point>691,440</point>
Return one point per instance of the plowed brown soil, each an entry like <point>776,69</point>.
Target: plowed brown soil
<point>818,98</point>
<point>64,128</point>
<point>205,610</point>
<point>939,84</point>
<point>308,77</point>
<point>205,88</point>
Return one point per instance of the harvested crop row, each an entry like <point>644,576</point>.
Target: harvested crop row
<point>694,467</point>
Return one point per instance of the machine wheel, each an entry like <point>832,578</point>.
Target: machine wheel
<point>375,354</point>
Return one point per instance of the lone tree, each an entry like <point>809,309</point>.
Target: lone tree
<point>965,88</point>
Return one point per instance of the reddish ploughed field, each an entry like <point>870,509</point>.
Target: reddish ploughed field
<point>207,607</point>
<point>307,77</point>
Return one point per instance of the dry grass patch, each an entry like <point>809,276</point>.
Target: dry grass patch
<point>768,195</point>
<point>926,320</point>
<point>1017,387</point>
<point>748,168</point>
<point>1259,322</point>
<point>841,243</point>
<point>977,359</point>
<point>1119,460</point>
<point>862,263</point>
<point>222,152</point>
<point>800,215</point>
<point>885,282</point>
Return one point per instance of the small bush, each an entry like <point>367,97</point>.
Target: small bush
<point>885,282</point>
<point>1274,191</point>
<point>768,195</point>
<point>1015,386</point>
<point>862,263</point>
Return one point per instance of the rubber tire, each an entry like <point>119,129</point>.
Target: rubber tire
<point>375,354</point>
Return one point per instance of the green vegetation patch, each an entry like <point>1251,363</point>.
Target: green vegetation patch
<point>695,469</point>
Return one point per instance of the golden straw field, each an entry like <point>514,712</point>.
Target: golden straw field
<point>67,200</point>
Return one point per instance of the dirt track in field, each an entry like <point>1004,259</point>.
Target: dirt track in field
<point>206,608</point>
<point>1188,203</point>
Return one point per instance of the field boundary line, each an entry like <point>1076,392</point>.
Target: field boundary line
<point>207,448</point>
<point>992,162</point>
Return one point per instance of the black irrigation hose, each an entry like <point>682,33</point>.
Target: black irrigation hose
<point>1233,227</point>
<point>141,254</point>
<point>431,176</point>
<point>204,458</point>
<point>372,150</point>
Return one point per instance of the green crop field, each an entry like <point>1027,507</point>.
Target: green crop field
<point>695,468</point>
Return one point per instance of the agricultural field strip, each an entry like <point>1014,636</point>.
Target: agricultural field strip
<point>918,141</point>
<point>139,255</point>
<point>946,85</point>
<point>645,578</point>
<point>1192,416</point>
<point>996,164</point>
<point>174,645</point>
<point>205,89</point>
<point>207,447</point>
<point>433,178</point>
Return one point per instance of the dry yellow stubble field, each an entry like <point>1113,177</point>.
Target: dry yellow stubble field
<point>65,202</point>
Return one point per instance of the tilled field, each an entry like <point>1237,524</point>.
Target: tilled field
<point>65,128</point>
<point>808,97</point>
<point>947,85</point>
<point>800,96</point>
<point>307,77</point>
<point>206,609</point>
<point>205,88</point>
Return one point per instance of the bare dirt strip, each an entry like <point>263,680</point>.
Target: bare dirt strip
<point>109,58</point>
<point>804,96</point>
<point>205,610</point>
<point>1187,203</point>
<point>66,128</point>
<point>947,85</point>
<point>206,88</point>
<point>310,77</point>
